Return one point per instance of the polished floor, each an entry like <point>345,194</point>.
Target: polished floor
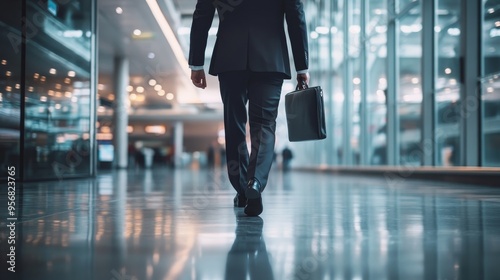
<point>166,224</point>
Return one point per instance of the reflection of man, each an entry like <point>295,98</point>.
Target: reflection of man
<point>251,59</point>
<point>248,255</point>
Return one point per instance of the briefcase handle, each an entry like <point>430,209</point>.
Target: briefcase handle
<point>302,85</point>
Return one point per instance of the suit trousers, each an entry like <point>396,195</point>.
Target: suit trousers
<point>262,91</point>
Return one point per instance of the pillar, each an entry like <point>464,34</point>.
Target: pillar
<point>178,143</point>
<point>120,117</point>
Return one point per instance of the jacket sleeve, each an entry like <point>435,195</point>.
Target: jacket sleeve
<point>297,30</point>
<point>202,20</point>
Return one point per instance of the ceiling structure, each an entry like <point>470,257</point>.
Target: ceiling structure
<point>160,90</point>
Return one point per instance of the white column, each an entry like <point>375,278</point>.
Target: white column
<point>120,117</point>
<point>178,143</point>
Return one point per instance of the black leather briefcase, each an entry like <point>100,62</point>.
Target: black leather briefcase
<point>305,114</point>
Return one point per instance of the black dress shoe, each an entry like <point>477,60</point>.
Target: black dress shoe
<point>253,189</point>
<point>240,200</point>
<point>254,207</point>
<point>254,200</point>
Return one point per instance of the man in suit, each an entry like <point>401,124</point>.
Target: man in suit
<point>251,60</point>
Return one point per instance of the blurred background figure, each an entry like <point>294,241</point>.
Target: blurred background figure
<point>287,156</point>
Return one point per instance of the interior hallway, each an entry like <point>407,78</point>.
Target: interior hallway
<point>181,224</point>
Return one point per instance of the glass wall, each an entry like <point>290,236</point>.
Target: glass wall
<point>447,83</point>
<point>57,87</point>
<point>490,81</point>
<point>409,90</point>
<point>10,85</point>
<point>376,81</point>
<point>379,96</point>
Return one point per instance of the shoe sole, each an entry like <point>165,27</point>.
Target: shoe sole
<point>251,193</point>
<point>254,207</point>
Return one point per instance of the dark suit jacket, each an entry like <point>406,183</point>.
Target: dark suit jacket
<point>251,35</point>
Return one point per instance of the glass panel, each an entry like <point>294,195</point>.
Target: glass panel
<point>58,57</point>
<point>337,92</point>
<point>409,94</point>
<point>10,88</point>
<point>448,103</point>
<point>491,84</point>
<point>354,58</point>
<point>376,44</point>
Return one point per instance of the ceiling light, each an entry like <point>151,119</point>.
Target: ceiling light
<point>161,92</point>
<point>152,82</point>
<point>58,106</point>
<point>43,78</point>
<point>8,73</point>
<point>314,35</point>
<point>58,86</point>
<point>356,81</point>
<point>151,55</point>
<point>490,90</point>
<point>158,87</point>
<point>322,29</point>
<point>67,80</point>
<point>68,94</point>
<point>52,71</point>
<point>415,80</point>
<point>454,31</point>
<point>71,73</point>
<point>43,98</point>
<point>130,88</point>
<point>497,24</point>
<point>130,129</point>
<point>447,71</point>
<point>156,129</point>
<point>140,89</point>
<point>4,62</point>
<point>169,35</point>
<point>36,75</point>
<point>100,87</point>
<point>104,129</point>
<point>140,98</point>
<point>50,92</point>
<point>111,97</point>
<point>137,32</point>
<point>8,88</point>
<point>491,10</point>
<point>119,10</point>
<point>74,99</point>
<point>133,96</point>
<point>170,96</point>
<point>31,89</point>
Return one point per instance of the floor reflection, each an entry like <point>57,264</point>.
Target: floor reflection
<point>180,224</point>
<point>248,258</point>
